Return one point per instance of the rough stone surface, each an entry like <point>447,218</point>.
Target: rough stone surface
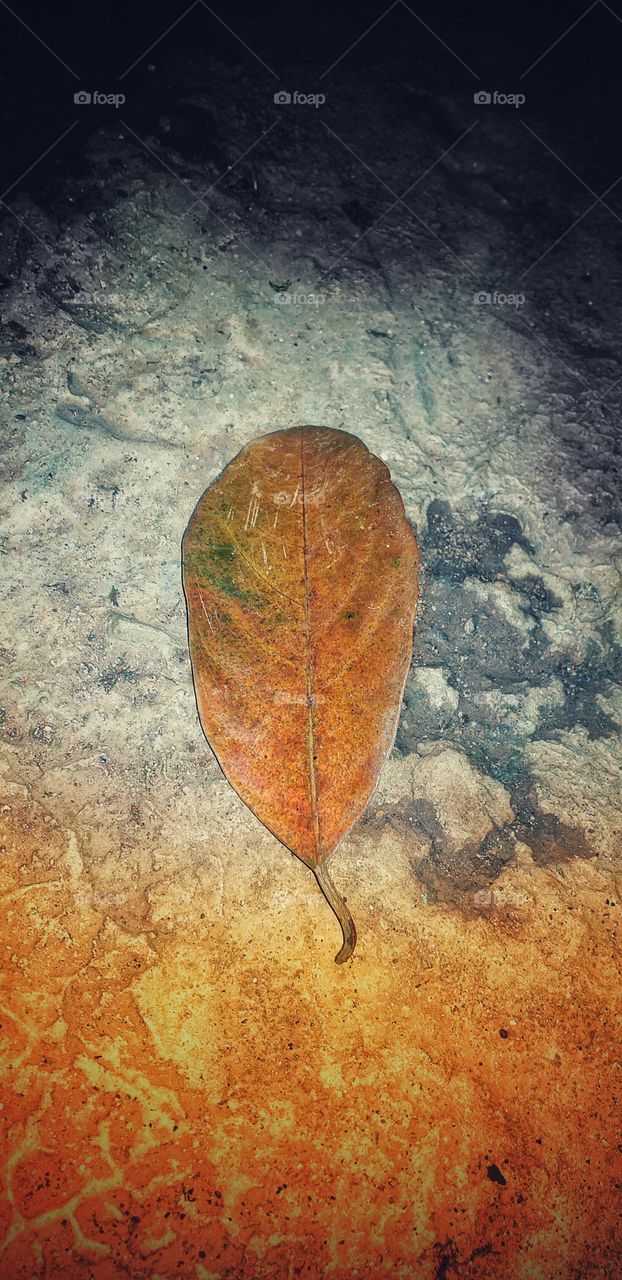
<point>192,1088</point>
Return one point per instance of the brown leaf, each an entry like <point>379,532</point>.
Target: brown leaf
<point>300,574</point>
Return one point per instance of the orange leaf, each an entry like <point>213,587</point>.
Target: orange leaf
<point>300,575</point>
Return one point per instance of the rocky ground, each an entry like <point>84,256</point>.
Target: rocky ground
<point>184,280</point>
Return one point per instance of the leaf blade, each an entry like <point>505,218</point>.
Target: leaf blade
<point>300,575</point>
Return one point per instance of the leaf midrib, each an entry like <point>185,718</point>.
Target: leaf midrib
<point>309,670</point>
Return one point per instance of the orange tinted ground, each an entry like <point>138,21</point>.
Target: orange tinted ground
<point>199,1091</point>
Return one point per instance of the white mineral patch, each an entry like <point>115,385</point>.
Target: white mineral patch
<point>580,781</point>
<point>522,711</point>
<point>433,683</point>
<point>466,804</point>
<point>500,597</point>
<point>10,790</point>
<point>585,590</point>
<point>610,701</point>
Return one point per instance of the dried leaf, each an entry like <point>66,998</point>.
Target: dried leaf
<point>300,574</point>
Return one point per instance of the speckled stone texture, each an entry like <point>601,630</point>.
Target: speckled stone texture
<point>191,1087</point>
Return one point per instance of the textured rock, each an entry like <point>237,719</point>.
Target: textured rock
<point>462,804</point>
<point>190,1087</point>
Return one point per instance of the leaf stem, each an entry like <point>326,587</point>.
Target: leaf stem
<point>341,911</point>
